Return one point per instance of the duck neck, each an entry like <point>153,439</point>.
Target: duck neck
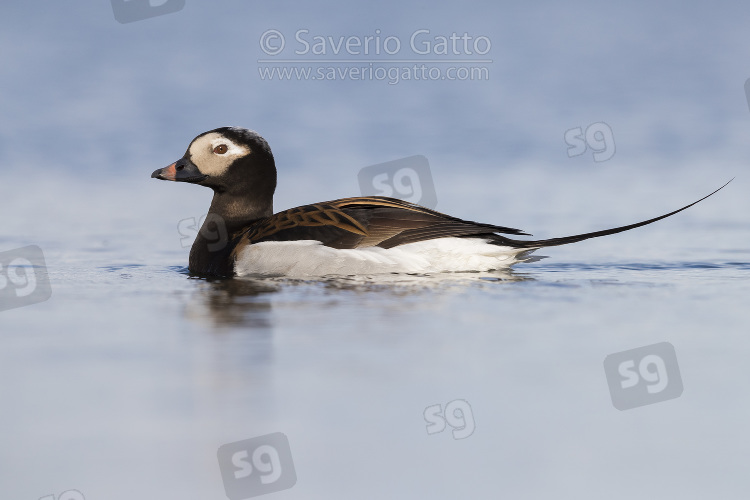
<point>237,211</point>
<point>210,254</point>
<point>236,204</point>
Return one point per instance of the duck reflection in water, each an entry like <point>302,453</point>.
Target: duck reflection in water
<point>233,302</point>
<point>246,302</point>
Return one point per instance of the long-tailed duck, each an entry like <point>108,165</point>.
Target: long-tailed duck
<point>241,235</point>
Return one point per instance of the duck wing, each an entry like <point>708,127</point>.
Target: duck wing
<point>388,222</point>
<point>364,222</point>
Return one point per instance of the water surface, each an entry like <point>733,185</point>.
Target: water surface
<point>128,380</point>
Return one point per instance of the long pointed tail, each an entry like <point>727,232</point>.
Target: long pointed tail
<point>580,237</point>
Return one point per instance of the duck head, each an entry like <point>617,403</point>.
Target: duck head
<point>237,164</point>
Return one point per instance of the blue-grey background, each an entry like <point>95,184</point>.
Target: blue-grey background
<point>127,381</point>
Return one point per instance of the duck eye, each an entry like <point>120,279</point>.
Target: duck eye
<point>220,149</point>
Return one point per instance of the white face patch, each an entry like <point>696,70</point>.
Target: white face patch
<point>215,164</point>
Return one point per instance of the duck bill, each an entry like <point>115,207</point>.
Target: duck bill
<point>183,170</point>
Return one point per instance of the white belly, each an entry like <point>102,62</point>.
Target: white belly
<point>309,258</point>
